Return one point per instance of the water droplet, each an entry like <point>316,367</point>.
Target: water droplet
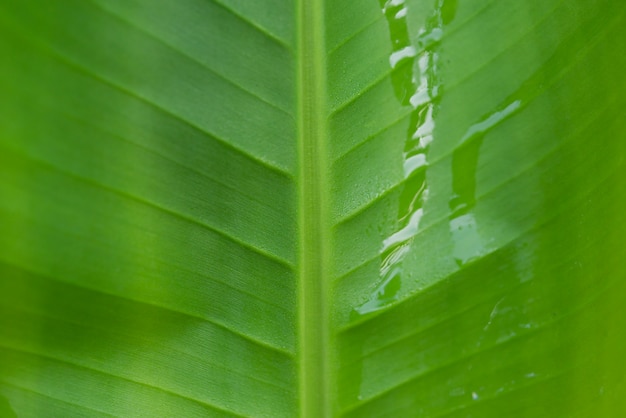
<point>398,56</point>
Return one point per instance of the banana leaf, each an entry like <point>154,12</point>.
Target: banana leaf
<point>315,208</point>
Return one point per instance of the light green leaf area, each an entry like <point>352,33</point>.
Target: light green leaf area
<point>410,208</point>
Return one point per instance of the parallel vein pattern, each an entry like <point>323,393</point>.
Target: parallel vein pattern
<point>505,270</point>
<point>392,208</point>
<point>133,263</point>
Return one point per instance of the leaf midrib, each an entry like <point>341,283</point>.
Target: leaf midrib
<point>314,373</point>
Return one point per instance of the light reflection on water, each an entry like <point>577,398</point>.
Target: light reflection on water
<point>468,243</point>
<point>417,83</point>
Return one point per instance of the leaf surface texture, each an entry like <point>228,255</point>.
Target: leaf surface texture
<point>312,208</point>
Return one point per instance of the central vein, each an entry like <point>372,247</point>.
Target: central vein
<point>314,256</point>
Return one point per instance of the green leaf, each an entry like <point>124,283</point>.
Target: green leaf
<point>312,208</point>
